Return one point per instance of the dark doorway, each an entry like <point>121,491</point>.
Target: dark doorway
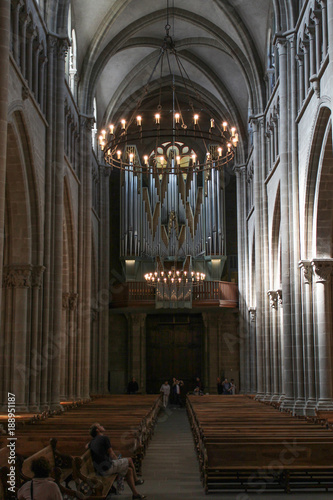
<point>174,349</point>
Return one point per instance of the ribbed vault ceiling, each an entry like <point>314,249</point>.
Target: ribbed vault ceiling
<point>223,44</point>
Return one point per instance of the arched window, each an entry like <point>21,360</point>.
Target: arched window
<point>72,64</point>
<point>71,67</point>
<point>94,129</point>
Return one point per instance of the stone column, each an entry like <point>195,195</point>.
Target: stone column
<point>310,380</point>
<point>4,50</point>
<point>265,259</point>
<point>288,376</point>
<point>241,233</point>
<point>58,168</point>
<point>47,307</point>
<point>257,181</point>
<point>17,278</point>
<point>327,23</point>
<point>300,60</point>
<point>104,273</point>
<point>87,242</point>
<point>23,40</point>
<point>137,349</point>
<point>63,347</point>
<point>322,269</point>
<point>72,303</point>
<point>295,235</point>
<point>253,350</point>
<point>274,359</point>
<point>35,367</point>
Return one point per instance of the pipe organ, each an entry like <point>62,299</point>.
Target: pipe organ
<point>175,219</point>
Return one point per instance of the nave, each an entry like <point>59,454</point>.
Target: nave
<point>164,448</point>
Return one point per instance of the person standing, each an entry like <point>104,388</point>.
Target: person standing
<point>225,387</point>
<point>219,386</point>
<point>232,389</point>
<point>132,387</point>
<point>165,390</point>
<point>176,385</point>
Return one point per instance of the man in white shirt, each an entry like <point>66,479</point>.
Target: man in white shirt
<point>165,389</point>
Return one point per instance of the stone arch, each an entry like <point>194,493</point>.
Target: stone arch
<point>316,154</point>
<point>22,276</point>
<point>276,242</point>
<point>323,201</point>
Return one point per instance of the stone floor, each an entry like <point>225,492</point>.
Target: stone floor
<point>171,470</point>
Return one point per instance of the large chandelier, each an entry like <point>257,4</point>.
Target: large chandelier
<point>174,278</point>
<point>123,143</point>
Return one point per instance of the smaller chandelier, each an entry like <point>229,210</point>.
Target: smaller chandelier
<point>173,277</point>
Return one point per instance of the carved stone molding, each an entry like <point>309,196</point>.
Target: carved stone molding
<point>253,314</point>
<point>37,276</point>
<point>322,269</point>
<point>65,300</point>
<point>62,48</point>
<point>72,301</point>
<point>279,297</point>
<point>273,298</point>
<point>25,92</point>
<point>305,266</point>
<point>17,276</point>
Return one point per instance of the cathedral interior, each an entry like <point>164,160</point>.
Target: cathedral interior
<point>166,219</point>
<point>173,256</point>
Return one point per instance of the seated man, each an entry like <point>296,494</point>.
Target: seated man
<point>106,462</point>
<point>41,487</point>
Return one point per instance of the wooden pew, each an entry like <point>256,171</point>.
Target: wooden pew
<point>243,444</point>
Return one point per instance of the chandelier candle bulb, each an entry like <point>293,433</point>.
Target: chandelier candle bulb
<point>224,125</point>
<point>119,154</point>
<point>103,132</point>
<point>123,124</point>
<point>111,129</point>
<point>157,118</point>
<point>219,151</point>
<point>233,131</point>
<point>177,116</point>
<point>196,118</point>
<point>139,121</point>
<point>212,123</point>
<point>131,157</point>
<point>145,159</point>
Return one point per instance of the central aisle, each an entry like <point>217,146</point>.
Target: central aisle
<point>170,468</point>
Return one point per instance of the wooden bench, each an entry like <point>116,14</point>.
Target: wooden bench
<point>243,444</point>
<point>86,479</point>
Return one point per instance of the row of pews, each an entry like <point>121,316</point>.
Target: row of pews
<point>243,444</point>
<point>62,436</point>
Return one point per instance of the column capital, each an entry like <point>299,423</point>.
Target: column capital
<point>87,122</point>
<point>72,301</point>
<point>305,266</point>
<point>62,48</point>
<point>322,269</point>
<point>239,169</point>
<point>17,276</point>
<point>65,300</point>
<point>253,314</point>
<point>273,298</point>
<point>281,43</point>
<point>279,297</point>
<point>37,276</point>
<point>52,42</point>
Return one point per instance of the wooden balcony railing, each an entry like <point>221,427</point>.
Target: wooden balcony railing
<point>208,294</point>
